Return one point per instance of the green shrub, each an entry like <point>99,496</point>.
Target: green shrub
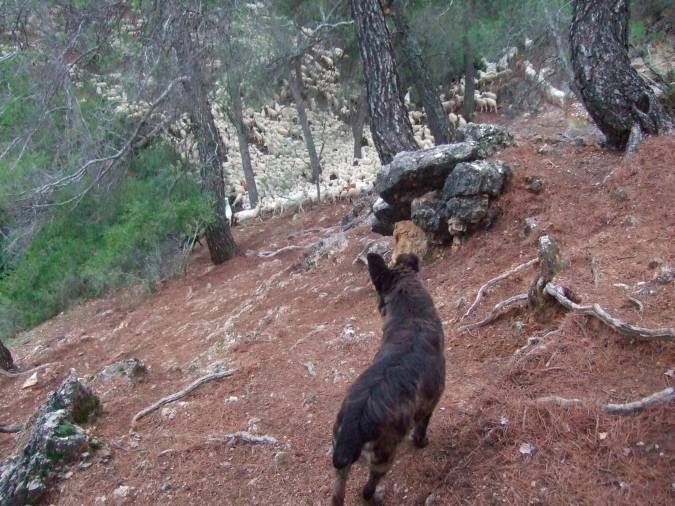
<point>129,235</point>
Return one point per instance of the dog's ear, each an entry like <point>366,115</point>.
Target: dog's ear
<point>410,260</point>
<point>379,272</point>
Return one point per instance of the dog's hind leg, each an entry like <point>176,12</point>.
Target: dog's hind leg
<point>339,485</point>
<point>383,458</point>
<point>419,436</point>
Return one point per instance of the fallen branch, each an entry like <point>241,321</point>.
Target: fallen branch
<point>558,401</point>
<point>496,312</point>
<point>11,428</point>
<point>180,394</point>
<point>494,281</point>
<point>596,311</point>
<point>270,254</point>
<point>665,395</point>
<point>16,374</point>
<point>244,436</point>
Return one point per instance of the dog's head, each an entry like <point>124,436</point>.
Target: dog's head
<point>385,279</point>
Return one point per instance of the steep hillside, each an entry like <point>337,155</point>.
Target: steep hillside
<point>298,334</point>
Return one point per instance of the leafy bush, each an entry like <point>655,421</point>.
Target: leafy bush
<point>132,234</point>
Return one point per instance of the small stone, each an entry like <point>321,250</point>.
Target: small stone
<point>517,328</point>
<point>280,458</point>
<point>123,492</point>
<point>602,436</point>
<point>31,382</point>
<point>430,500</point>
<point>619,194</point>
<point>534,184</point>
<point>528,226</point>
<point>527,449</point>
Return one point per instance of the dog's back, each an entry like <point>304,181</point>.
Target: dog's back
<point>400,389</point>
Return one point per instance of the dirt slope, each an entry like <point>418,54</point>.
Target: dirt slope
<point>297,338</point>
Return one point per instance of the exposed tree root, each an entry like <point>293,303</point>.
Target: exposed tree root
<point>270,254</point>
<point>180,394</point>
<point>16,374</point>
<point>246,437</point>
<point>665,395</point>
<point>662,396</point>
<point>494,281</point>
<point>496,312</point>
<point>596,311</point>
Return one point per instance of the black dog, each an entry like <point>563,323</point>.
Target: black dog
<point>400,389</point>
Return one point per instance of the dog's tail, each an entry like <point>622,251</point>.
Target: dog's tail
<point>349,438</point>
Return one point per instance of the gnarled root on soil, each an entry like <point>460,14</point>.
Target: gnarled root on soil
<point>596,311</point>
<point>662,396</point>
<point>15,374</point>
<point>494,281</point>
<point>180,394</point>
<point>244,436</point>
<point>11,428</point>
<point>497,311</point>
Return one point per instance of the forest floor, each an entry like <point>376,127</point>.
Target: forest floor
<point>297,338</point>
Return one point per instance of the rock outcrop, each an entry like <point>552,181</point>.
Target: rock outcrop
<point>54,438</point>
<point>447,190</point>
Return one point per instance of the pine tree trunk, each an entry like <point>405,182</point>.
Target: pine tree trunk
<point>295,83</point>
<point>438,121</point>
<point>618,99</point>
<point>389,122</point>
<point>469,85</point>
<point>357,121</point>
<point>212,150</point>
<point>237,118</point>
<point>6,361</point>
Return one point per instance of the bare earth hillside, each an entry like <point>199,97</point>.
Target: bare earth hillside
<point>298,337</point>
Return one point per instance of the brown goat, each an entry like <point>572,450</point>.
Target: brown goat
<point>398,392</point>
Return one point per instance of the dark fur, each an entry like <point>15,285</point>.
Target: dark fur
<point>398,392</point>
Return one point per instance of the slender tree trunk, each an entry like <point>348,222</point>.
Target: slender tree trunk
<point>6,361</point>
<point>212,155</point>
<point>438,121</point>
<point>389,122</point>
<point>212,150</point>
<point>295,83</point>
<point>237,117</point>
<point>618,99</point>
<point>357,121</point>
<point>469,85</point>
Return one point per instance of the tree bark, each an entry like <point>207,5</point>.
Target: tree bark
<point>357,121</point>
<point>616,96</point>
<point>389,122</point>
<point>237,117</point>
<point>438,121</point>
<point>469,85</point>
<point>212,150</point>
<point>6,361</point>
<point>295,83</point>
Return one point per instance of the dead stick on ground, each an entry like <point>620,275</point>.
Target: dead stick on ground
<point>596,311</point>
<point>15,374</point>
<point>245,436</point>
<point>180,394</point>
<point>665,395</point>
<point>494,281</point>
<point>496,312</point>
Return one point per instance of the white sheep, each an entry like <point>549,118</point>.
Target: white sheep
<point>491,104</point>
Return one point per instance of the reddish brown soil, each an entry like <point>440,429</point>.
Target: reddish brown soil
<point>277,324</point>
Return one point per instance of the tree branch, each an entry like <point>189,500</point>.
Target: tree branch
<point>496,312</point>
<point>180,394</point>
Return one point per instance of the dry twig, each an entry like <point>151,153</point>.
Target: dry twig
<point>16,374</point>
<point>11,428</point>
<point>246,437</point>
<point>494,281</point>
<point>180,394</point>
<point>596,311</point>
<point>665,395</point>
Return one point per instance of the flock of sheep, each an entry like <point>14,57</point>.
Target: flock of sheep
<point>277,147</point>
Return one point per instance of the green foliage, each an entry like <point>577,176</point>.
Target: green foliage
<point>132,234</point>
<point>65,429</point>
